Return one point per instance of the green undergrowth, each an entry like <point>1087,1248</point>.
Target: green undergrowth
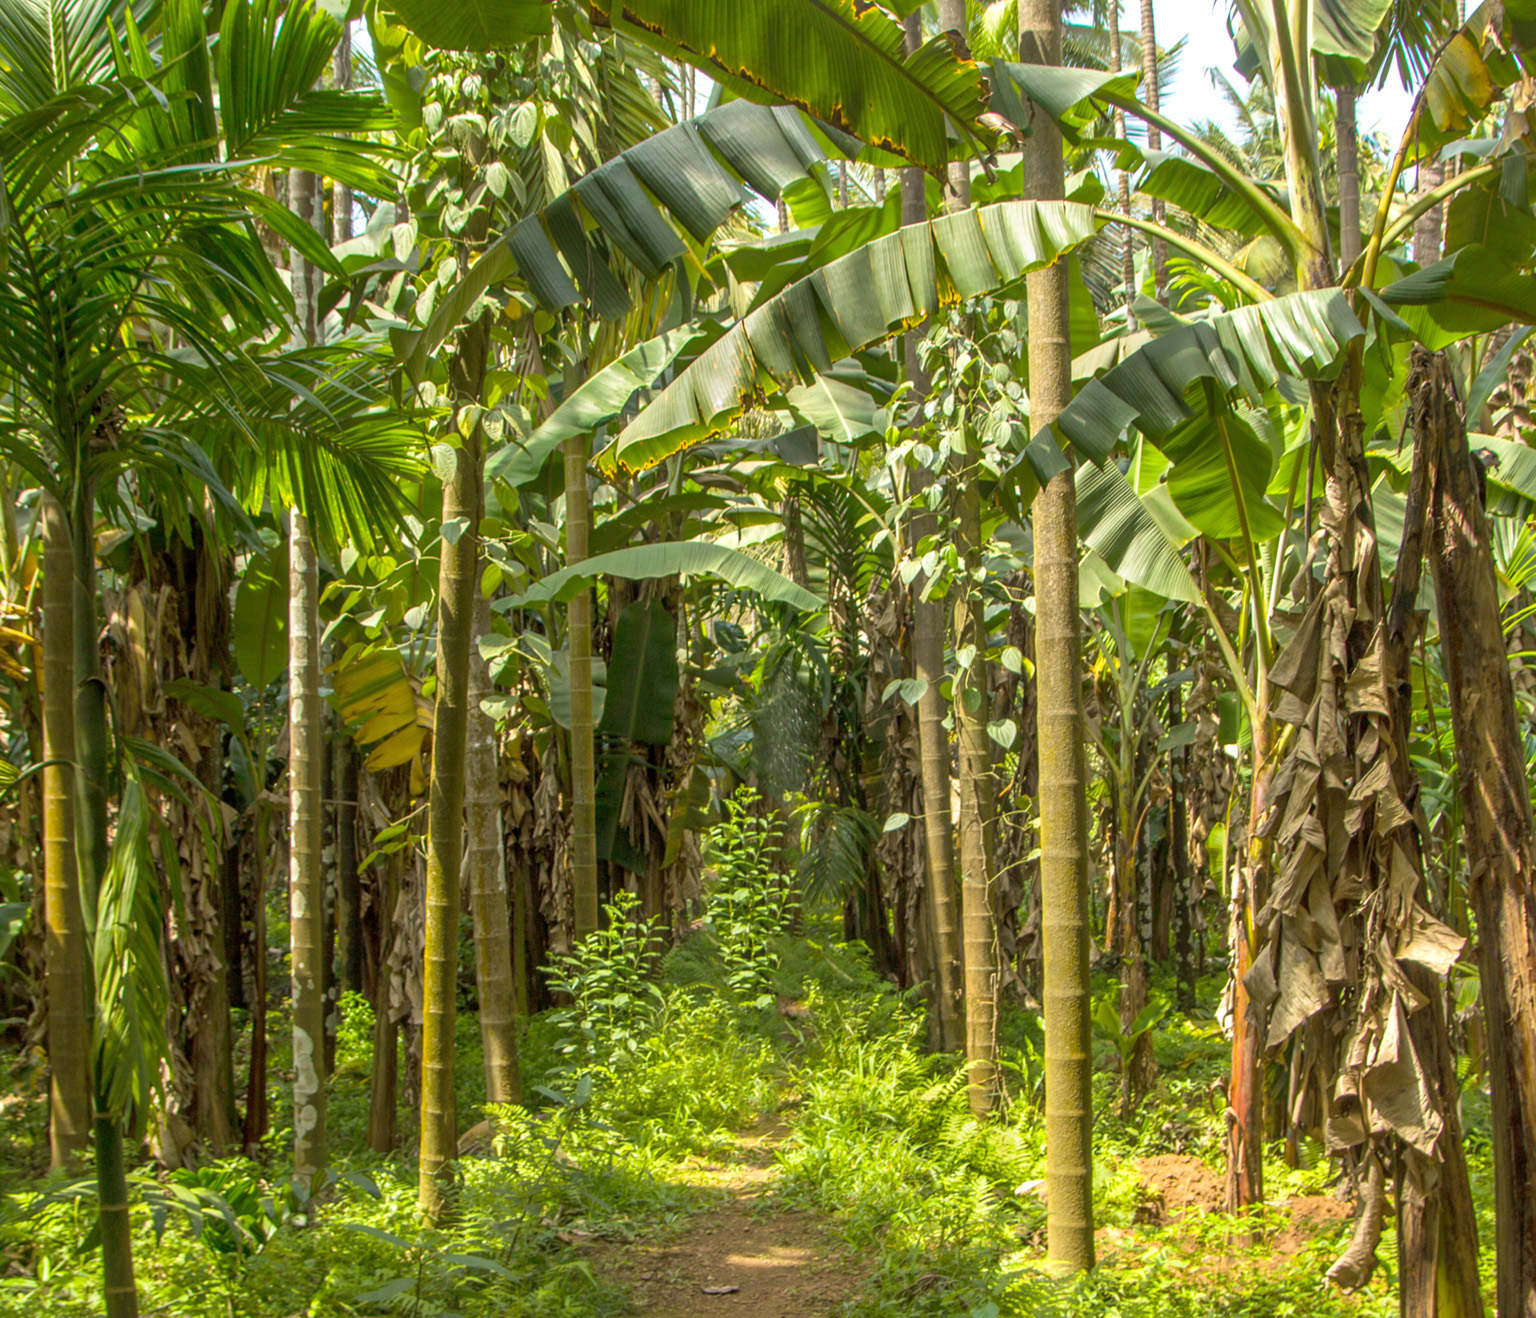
<point>638,1080</point>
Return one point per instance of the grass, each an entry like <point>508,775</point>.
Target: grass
<point>879,1141</point>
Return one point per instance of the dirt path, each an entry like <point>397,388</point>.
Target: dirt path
<point>742,1256</point>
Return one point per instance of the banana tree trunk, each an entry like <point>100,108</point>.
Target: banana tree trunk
<point>578,518</point>
<point>306,876</point>
<point>488,887</point>
<point>69,1020</point>
<point>119,1294</point>
<point>1347,136</point>
<point>1245,1091</point>
<point>1135,1075</point>
<point>1062,731</point>
<point>1500,834</point>
<point>457,587</point>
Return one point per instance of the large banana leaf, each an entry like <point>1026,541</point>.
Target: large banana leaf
<point>1198,189</point>
<point>1246,351</point>
<point>851,303</point>
<point>1472,291</point>
<point>554,250</point>
<point>642,675</point>
<point>844,61</point>
<point>680,558</point>
<point>595,403</point>
<point>1177,390</point>
<point>260,626</point>
<point>477,25</point>
<point>1127,532</point>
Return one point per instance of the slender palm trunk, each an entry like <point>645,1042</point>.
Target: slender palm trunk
<point>1348,148</point>
<point>1123,180</point>
<point>306,875</point>
<point>1149,96</point>
<point>457,583</point>
<point>1500,833</point>
<point>256,1084</point>
<point>1062,734</point>
<point>946,1027</point>
<point>119,1294</point>
<point>384,1071</point>
<point>978,790</point>
<point>578,518</point>
<point>978,785</point>
<point>69,1021</point>
<point>488,886</point>
<point>341,193</point>
<point>1429,227</point>
<point>349,901</point>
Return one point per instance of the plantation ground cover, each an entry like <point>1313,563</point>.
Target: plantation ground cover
<point>683,1139</point>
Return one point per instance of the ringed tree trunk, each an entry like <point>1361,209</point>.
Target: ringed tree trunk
<point>973,705</point>
<point>1117,118</point>
<point>457,581</point>
<point>306,874</point>
<point>119,1293</point>
<point>1496,814</point>
<point>946,1022</point>
<point>1348,149</point>
<point>349,900</point>
<point>578,521</point>
<point>977,794</point>
<point>488,886</point>
<point>306,723</point>
<point>1154,141</point>
<point>1062,733</point>
<point>68,986</point>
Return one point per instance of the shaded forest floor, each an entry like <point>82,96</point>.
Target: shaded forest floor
<point>689,1153</point>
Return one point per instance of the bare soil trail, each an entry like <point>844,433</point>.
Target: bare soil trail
<point>743,1255</point>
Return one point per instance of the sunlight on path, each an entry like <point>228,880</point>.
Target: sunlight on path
<point>738,1256</point>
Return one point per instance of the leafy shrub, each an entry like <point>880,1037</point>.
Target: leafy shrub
<point>607,976</point>
<point>750,905</point>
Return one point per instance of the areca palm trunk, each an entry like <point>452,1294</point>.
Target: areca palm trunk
<point>1149,96</point>
<point>306,875</point>
<point>119,1294</point>
<point>306,810</point>
<point>946,1020</point>
<point>578,518</point>
<point>450,729</point>
<point>1061,728</point>
<point>977,792</point>
<point>349,923</point>
<point>1347,136</point>
<point>488,886</point>
<point>1117,118</point>
<point>978,786</point>
<point>69,1022</point>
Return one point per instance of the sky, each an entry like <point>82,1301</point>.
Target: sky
<point>1204,23</point>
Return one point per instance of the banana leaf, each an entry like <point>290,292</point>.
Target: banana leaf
<point>678,171</point>
<point>642,675</point>
<point>679,558</point>
<point>851,303</point>
<point>476,25</point>
<point>844,61</point>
